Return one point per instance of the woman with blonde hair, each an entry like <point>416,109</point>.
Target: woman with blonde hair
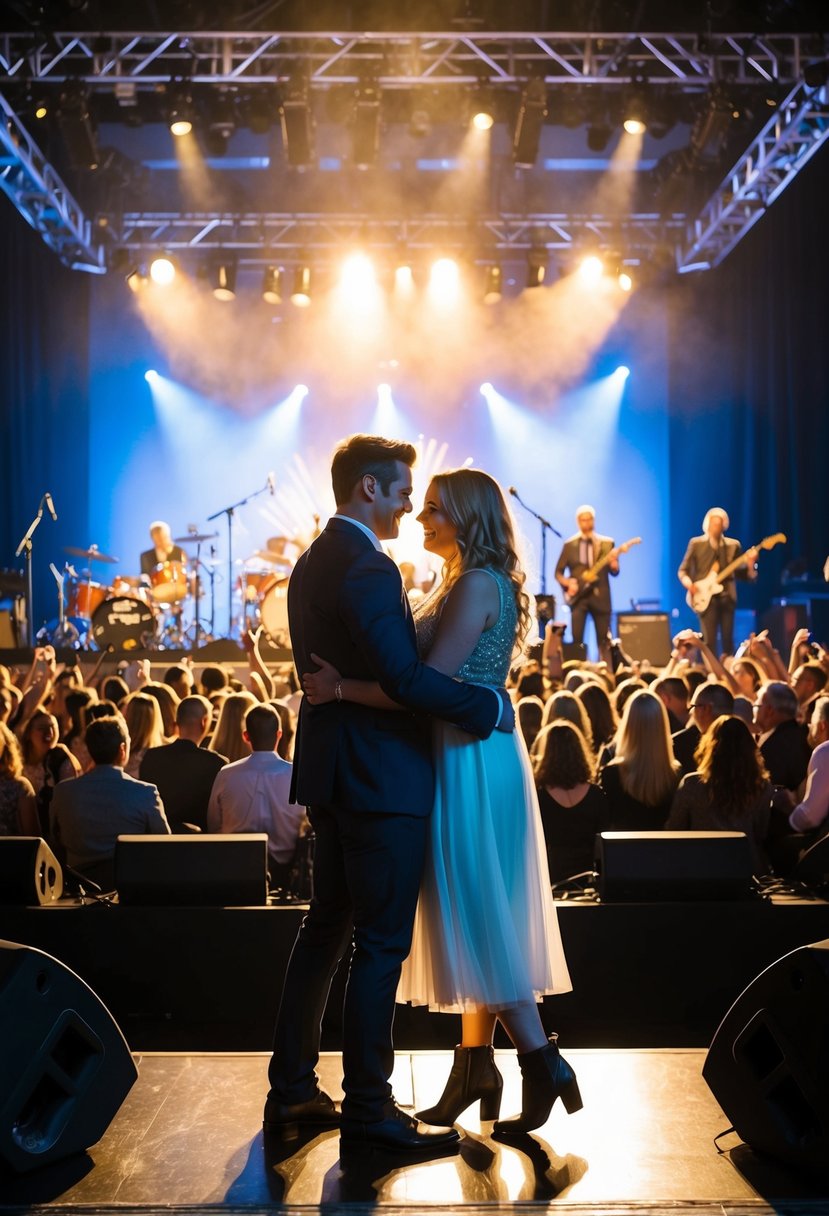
<point>641,779</point>
<point>18,816</point>
<point>486,941</point>
<point>142,715</point>
<point>228,738</point>
<point>565,706</point>
<point>168,702</point>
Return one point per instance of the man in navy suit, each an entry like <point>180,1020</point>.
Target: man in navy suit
<point>367,778</point>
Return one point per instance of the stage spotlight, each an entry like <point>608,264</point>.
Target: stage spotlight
<point>486,389</point>
<point>301,294</point>
<point>365,126</point>
<point>483,120</point>
<point>300,392</point>
<point>622,372</point>
<point>493,287</point>
<point>150,375</point>
<point>536,267</point>
<point>591,269</point>
<point>444,278</point>
<point>221,124</point>
<point>297,124</point>
<point>529,124</point>
<point>635,113</point>
<point>223,279</point>
<point>41,110</point>
<point>403,278</point>
<point>357,274</point>
<point>162,271</point>
<point>136,280</point>
<point>271,285</point>
<point>625,280</point>
<point>180,115</point>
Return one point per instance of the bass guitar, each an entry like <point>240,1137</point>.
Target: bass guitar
<point>587,580</point>
<point>712,584</point>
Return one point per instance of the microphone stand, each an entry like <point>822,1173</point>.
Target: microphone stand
<point>229,512</point>
<point>26,544</point>
<point>545,527</point>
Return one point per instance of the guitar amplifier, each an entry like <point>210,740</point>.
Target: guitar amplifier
<point>645,635</point>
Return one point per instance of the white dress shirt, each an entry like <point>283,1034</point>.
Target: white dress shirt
<point>251,795</point>
<point>812,811</point>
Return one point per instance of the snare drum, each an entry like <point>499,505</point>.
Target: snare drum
<point>273,609</point>
<point>84,597</point>
<point>123,622</point>
<point>168,582</point>
<point>253,583</point>
<point>130,585</point>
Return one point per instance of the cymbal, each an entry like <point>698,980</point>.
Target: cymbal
<point>194,538</point>
<point>267,555</point>
<point>92,554</point>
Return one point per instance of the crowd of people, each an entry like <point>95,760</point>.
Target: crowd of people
<point>86,758</point>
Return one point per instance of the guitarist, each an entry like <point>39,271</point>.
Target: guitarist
<point>703,553</point>
<point>578,555</point>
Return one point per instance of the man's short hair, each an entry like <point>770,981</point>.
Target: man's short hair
<point>360,455</point>
<point>173,674</point>
<point>191,710</point>
<point>821,708</point>
<point>213,678</point>
<point>103,739</point>
<point>815,672</point>
<point>715,697</point>
<point>672,686</point>
<point>263,724</point>
<point>780,697</point>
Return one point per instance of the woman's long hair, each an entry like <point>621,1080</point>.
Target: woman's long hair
<point>11,757</point>
<point>644,753</point>
<point>565,706</point>
<point>730,764</point>
<point>473,501</point>
<point>167,699</point>
<point>227,738</point>
<point>561,757</point>
<point>600,711</point>
<point>142,715</point>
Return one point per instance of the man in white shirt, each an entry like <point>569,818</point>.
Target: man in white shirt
<point>811,814</point>
<point>252,795</point>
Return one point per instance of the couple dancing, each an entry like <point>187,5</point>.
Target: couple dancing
<point>429,845</point>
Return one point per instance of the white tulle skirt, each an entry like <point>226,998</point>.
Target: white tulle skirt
<point>486,932</point>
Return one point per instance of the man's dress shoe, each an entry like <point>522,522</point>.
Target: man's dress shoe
<point>319,1111</point>
<point>397,1131</point>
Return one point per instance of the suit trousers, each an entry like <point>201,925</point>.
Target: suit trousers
<point>719,615</point>
<point>367,873</point>
<point>601,620</point>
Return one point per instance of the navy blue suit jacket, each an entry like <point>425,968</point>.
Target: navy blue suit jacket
<point>346,603</point>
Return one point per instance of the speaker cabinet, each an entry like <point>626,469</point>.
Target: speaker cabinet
<point>645,635</point>
<point>198,870</point>
<point>645,866</point>
<point>29,871</point>
<point>768,1066</point>
<point>813,865</point>
<point>65,1067</point>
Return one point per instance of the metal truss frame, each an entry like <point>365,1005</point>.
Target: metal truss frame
<point>41,197</point>
<point>402,60</point>
<point>263,237</point>
<point>799,127</point>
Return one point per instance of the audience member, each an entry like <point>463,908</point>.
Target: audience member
<point>573,809</point>
<point>285,746</point>
<point>114,689</point>
<point>624,690</point>
<point>811,815</point>
<point>229,737</point>
<point>18,816</point>
<point>729,792</point>
<point>709,702</point>
<point>673,693</point>
<point>168,703</point>
<point>183,771</point>
<point>748,675</point>
<point>58,765</point>
<point>252,794</point>
<point>528,713</point>
<point>180,680</point>
<point>641,779</point>
<point>213,679</point>
<point>89,814</point>
<point>808,682</point>
<point>603,721</point>
<point>142,715</point>
<point>783,740</point>
<point>38,735</point>
<point>566,707</point>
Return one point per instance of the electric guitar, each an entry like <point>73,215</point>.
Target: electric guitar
<point>587,580</point>
<point>712,584</point>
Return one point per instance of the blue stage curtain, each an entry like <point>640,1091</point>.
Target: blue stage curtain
<point>44,379</point>
<point>749,387</point>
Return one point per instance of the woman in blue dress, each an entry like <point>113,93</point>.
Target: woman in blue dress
<point>486,942</point>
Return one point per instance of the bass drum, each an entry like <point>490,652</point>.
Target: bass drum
<point>123,622</point>
<point>273,611</point>
<point>84,597</point>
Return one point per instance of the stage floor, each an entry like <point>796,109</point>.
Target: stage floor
<point>189,1135</point>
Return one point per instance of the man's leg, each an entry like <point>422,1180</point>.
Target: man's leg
<point>727,607</point>
<point>321,942</point>
<point>708,624</point>
<point>578,617</point>
<point>384,862</point>
<point>601,620</point>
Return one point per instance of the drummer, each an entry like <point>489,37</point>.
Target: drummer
<point>163,550</point>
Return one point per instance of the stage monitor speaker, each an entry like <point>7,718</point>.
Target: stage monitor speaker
<point>645,635</point>
<point>65,1067</point>
<point>29,871</point>
<point>647,866</point>
<point>813,865</point>
<point>198,870</point>
<point>768,1066</point>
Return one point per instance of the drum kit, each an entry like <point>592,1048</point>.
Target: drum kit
<point>161,610</point>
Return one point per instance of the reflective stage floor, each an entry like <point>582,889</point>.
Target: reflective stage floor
<point>189,1136</point>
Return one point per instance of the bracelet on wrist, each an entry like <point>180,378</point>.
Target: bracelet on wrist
<point>338,690</point>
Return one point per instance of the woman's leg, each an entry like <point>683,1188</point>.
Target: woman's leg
<point>477,1027</point>
<point>523,1025</point>
<point>474,1073</point>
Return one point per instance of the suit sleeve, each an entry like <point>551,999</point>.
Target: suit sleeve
<point>156,821</point>
<point>370,606</point>
<point>687,567</point>
<point>561,564</point>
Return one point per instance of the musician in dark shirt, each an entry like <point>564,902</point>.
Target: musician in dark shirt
<point>578,555</point>
<point>705,552</point>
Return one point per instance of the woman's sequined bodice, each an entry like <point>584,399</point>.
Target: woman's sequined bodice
<point>489,662</point>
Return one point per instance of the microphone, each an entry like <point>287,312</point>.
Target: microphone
<point>50,505</point>
<point>271,483</point>
<point>513,491</point>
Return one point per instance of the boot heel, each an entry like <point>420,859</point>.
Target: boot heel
<point>491,1105</point>
<point>571,1097</point>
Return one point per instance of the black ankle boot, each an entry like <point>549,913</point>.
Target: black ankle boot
<point>546,1075</point>
<point>474,1075</point>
